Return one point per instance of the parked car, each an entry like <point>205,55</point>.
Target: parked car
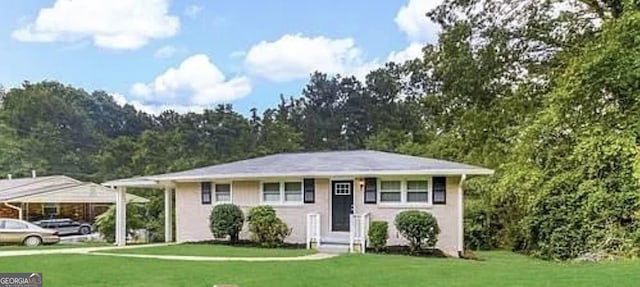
<point>22,232</point>
<point>65,226</point>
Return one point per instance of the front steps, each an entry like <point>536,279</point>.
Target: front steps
<point>333,248</point>
<point>334,243</point>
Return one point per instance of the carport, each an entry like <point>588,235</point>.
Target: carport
<point>121,186</point>
<point>19,194</point>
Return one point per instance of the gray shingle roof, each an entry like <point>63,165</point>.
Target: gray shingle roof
<point>18,183</point>
<point>40,188</point>
<point>334,163</point>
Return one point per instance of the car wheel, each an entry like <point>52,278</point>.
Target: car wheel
<point>85,230</point>
<point>32,241</point>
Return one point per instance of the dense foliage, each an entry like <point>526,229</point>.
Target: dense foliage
<point>266,228</point>
<point>226,220</point>
<point>106,222</point>
<point>543,91</point>
<point>378,235</point>
<point>575,162</point>
<point>420,228</point>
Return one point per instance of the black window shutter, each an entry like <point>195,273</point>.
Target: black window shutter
<point>370,190</point>
<point>309,190</point>
<point>440,190</point>
<point>205,192</point>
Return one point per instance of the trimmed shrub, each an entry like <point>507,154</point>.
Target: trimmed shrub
<point>378,234</point>
<point>226,220</point>
<point>419,227</point>
<point>266,228</point>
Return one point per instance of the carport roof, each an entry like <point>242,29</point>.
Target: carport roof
<point>57,189</point>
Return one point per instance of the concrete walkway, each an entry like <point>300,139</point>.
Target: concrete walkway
<point>96,251</point>
<point>317,256</point>
<point>73,250</point>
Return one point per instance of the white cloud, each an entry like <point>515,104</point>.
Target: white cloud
<point>296,56</point>
<point>412,51</point>
<point>112,24</point>
<point>119,99</point>
<point>411,20</point>
<point>192,11</point>
<point>158,109</point>
<point>141,90</point>
<point>155,109</point>
<point>166,51</point>
<point>237,54</point>
<point>195,83</point>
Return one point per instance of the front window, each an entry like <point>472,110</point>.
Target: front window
<point>417,191</point>
<point>49,209</point>
<point>283,192</point>
<point>271,192</point>
<point>404,191</point>
<point>223,192</point>
<point>293,191</point>
<point>390,191</point>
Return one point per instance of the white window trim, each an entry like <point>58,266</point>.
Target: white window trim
<point>280,192</point>
<point>403,192</point>
<point>282,201</point>
<point>349,191</point>
<point>214,198</point>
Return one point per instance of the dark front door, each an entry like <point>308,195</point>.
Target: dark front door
<point>341,204</point>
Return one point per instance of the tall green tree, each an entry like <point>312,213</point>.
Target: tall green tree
<point>485,81</point>
<point>115,159</point>
<point>57,135</point>
<point>573,171</point>
<point>277,132</point>
<point>323,117</point>
<point>12,157</point>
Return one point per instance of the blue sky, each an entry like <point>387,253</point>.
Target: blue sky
<point>186,55</point>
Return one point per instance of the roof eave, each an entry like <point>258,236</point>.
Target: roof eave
<point>145,183</point>
<point>476,171</point>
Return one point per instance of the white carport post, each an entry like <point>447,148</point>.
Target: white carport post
<point>121,217</point>
<point>168,214</point>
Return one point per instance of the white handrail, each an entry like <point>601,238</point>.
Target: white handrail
<point>352,224</point>
<point>365,231</point>
<point>313,229</point>
<point>359,224</point>
<point>317,236</point>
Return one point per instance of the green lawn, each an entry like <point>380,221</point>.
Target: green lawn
<point>498,269</point>
<point>54,246</point>
<point>214,250</point>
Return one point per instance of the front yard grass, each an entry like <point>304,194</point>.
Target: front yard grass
<point>497,269</point>
<point>214,250</point>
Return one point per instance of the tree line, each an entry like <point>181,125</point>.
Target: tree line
<point>544,92</point>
